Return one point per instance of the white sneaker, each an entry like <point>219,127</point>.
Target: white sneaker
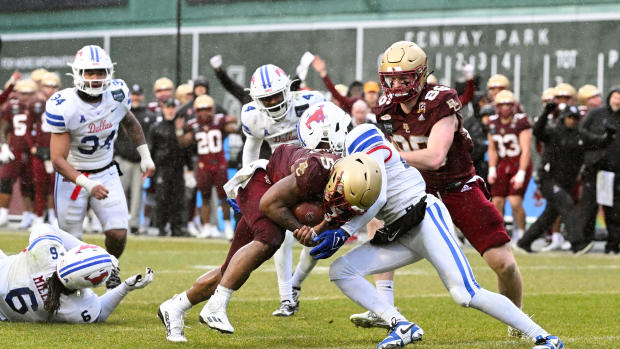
<point>517,234</point>
<point>4,216</point>
<point>286,309</point>
<point>26,220</point>
<point>369,319</point>
<point>566,246</point>
<point>403,333</point>
<point>216,233</point>
<point>205,231</point>
<point>173,320</point>
<point>557,239</point>
<point>228,230</point>
<point>192,229</point>
<point>215,318</point>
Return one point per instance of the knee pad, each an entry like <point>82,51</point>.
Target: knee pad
<point>6,186</point>
<point>341,269</point>
<point>460,296</point>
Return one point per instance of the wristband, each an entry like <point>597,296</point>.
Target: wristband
<point>179,132</point>
<point>492,171</point>
<point>144,152</point>
<point>520,176</point>
<point>86,183</point>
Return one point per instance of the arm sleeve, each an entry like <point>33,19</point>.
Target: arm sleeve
<point>539,128</point>
<point>4,96</point>
<point>110,300</point>
<point>358,222</point>
<point>232,87</point>
<point>251,149</point>
<point>468,94</point>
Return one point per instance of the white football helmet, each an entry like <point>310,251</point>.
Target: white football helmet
<point>324,123</point>
<point>91,57</point>
<point>269,80</point>
<point>85,266</point>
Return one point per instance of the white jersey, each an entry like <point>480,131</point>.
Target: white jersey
<point>93,127</point>
<point>405,185</point>
<point>258,127</point>
<point>23,287</point>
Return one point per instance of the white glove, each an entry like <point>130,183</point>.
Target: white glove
<point>468,71</point>
<point>139,281</point>
<point>6,154</point>
<point>216,61</point>
<point>146,163</point>
<point>86,183</point>
<point>190,180</point>
<point>304,63</point>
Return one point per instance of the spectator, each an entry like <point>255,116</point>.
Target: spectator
<point>359,113</point>
<point>371,93</point>
<point>169,180</point>
<point>599,121</point>
<point>564,148</point>
<point>129,160</point>
<point>344,101</point>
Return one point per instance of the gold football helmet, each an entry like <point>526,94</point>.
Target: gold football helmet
<point>203,102</point>
<point>354,185</point>
<point>586,92</point>
<point>548,95</point>
<point>498,81</point>
<point>505,97</point>
<point>37,74</point>
<point>26,86</point>
<point>163,84</point>
<point>401,59</point>
<point>183,93</point>
<point>431,79</point>
<point>51,80</point>
<point>565,90</point>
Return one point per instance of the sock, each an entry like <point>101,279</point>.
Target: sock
<point>227,225</point>
<point>182,302</point>
<point>362,292</point>
<point>386,290</point>
<point>221,297</point>
<point>283,260</point>
<point>505,311</point>
<point>304,267</point>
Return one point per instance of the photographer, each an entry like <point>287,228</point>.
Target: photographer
<point>599,121</point>
<point>564,148</point>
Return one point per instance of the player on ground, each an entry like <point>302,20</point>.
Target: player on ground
<point>84,122</point>
<point>424,123</point>
<point>417,226</point>
<point>510,162</point>
<point>40,283</point>
<point>265,191</point>
<point>15,153</point>
<point>272,117</point>
<point>208,131</point>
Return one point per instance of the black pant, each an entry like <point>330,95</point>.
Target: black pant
<point>612,219</point>
<point>559,202</point>
<point>582,229</point>
<point>170,199</point>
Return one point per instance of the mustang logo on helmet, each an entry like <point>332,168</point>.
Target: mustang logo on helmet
<point>318,116</point>
<point>97,279</point>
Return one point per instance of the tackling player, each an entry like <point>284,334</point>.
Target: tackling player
<point>510,162</point>
<point>272,117</point>
<point>417,226</point>
<point>265,191</point>
<point>40,283</point>
<point>424,123</point>
<point>84,121</point>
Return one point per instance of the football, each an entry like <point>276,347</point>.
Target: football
<point>309,213</point>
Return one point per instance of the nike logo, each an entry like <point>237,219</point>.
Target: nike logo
<point>112,111</point>
<point>405,330</point>
<point>392,236</point>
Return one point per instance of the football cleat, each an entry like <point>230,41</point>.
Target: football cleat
<point>549,342</point>
<point>296,292</point>
<point>368,320</point>
<point>216,319</point>
<point>173,320</point>
<point>114,279</point>
<point>287,308</point>
<point>403,333</point>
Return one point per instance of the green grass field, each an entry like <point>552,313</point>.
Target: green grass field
<point>576,298</point>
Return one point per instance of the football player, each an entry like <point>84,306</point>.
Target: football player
<point>15,152</point>
<point>565,93</point>
<point>39,144</point>
<point>589,98</point>
<point>510,162</point>
<point>208,131</point>
<point>265,192</point>
<point>84,121</point>
<point>424,123</point>
<point>272,117</point>
<point>423,229</point>
<point>41,283</point>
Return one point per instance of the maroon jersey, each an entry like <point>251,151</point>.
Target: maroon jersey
<point>311,168</point>
<point>506,135</point>
<point>41,133</point>
<point>209,138</point>
<point>410,132</point>
<point>16,115</point>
